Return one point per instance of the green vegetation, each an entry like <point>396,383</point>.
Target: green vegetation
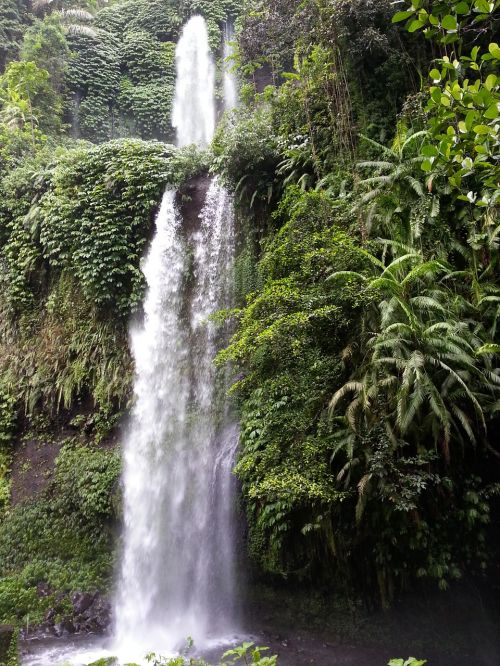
<point>246,653</point>
<point>63,539</point>
<point>367,346</point>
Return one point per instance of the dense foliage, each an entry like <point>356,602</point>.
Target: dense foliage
<point>367,348</point>
<point>62,541</point>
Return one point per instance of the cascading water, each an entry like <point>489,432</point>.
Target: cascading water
<point>177,574</point>
<point>194,103</point>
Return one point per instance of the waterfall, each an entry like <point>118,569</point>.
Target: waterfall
<point>157,427</point>
<point>230,82</point>
<point>194,102</point>
<point>177,575</point>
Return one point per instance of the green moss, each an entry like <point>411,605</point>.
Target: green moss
<point>64,539</point>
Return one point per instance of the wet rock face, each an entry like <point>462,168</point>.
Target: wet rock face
<point>6,636</point>
<point>95,617</point>
<point>91,613</point>
<point>191,199</point>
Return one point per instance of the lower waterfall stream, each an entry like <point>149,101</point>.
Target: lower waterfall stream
<point>177,570</point>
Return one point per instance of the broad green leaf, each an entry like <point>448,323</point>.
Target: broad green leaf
<point>449,23</point>
<point>490,82</point>
<point>494,49</point>
<point>436,94</point>
<point>493,111</point>
<point>482,129</point>
<point>482,6</point>
<point>416,25</point>
<point>401,16</point>
<point>429,151</point>
<point>470,119</point>
<point>435,74</point>
<point>462,8</point>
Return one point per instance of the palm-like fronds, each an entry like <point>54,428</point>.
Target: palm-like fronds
<point>422,366</point>
<point>394,189</point>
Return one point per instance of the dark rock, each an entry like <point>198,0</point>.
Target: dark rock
<point>6,636</point>
<point>43,590</point>
<point>82,601</point>
<point>50,614</point>
<point>191,199</point>
<point>91,613</point>
<point>96,616</point>
<point>64,628</point>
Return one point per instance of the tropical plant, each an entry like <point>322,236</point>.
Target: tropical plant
<point>393,200</point>
<point>421,373</point>
<point>27,100</point>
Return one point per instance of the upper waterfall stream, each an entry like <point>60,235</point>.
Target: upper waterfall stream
<point>193,114</point>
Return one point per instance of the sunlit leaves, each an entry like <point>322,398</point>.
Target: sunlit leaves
<point>445,20</point>
<point>464,126</point>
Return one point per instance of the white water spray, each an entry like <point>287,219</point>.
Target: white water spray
<point>177,575</point>
<point>194,103</point>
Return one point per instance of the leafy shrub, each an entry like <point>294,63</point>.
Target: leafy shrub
<point>246,154</point>
<point>285,344</point>
<point>87,480</point>
<point>64,538</point>
<point>101,235</point>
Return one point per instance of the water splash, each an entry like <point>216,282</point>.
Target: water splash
<point>194,102</point>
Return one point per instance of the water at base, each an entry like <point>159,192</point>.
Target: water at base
<point>82,650</point>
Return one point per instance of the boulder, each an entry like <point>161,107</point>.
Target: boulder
<point>6,637</point>
<point>82,601</point>
<point>95,615</point>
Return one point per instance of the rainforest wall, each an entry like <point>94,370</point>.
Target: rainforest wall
<point>363,159</point>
